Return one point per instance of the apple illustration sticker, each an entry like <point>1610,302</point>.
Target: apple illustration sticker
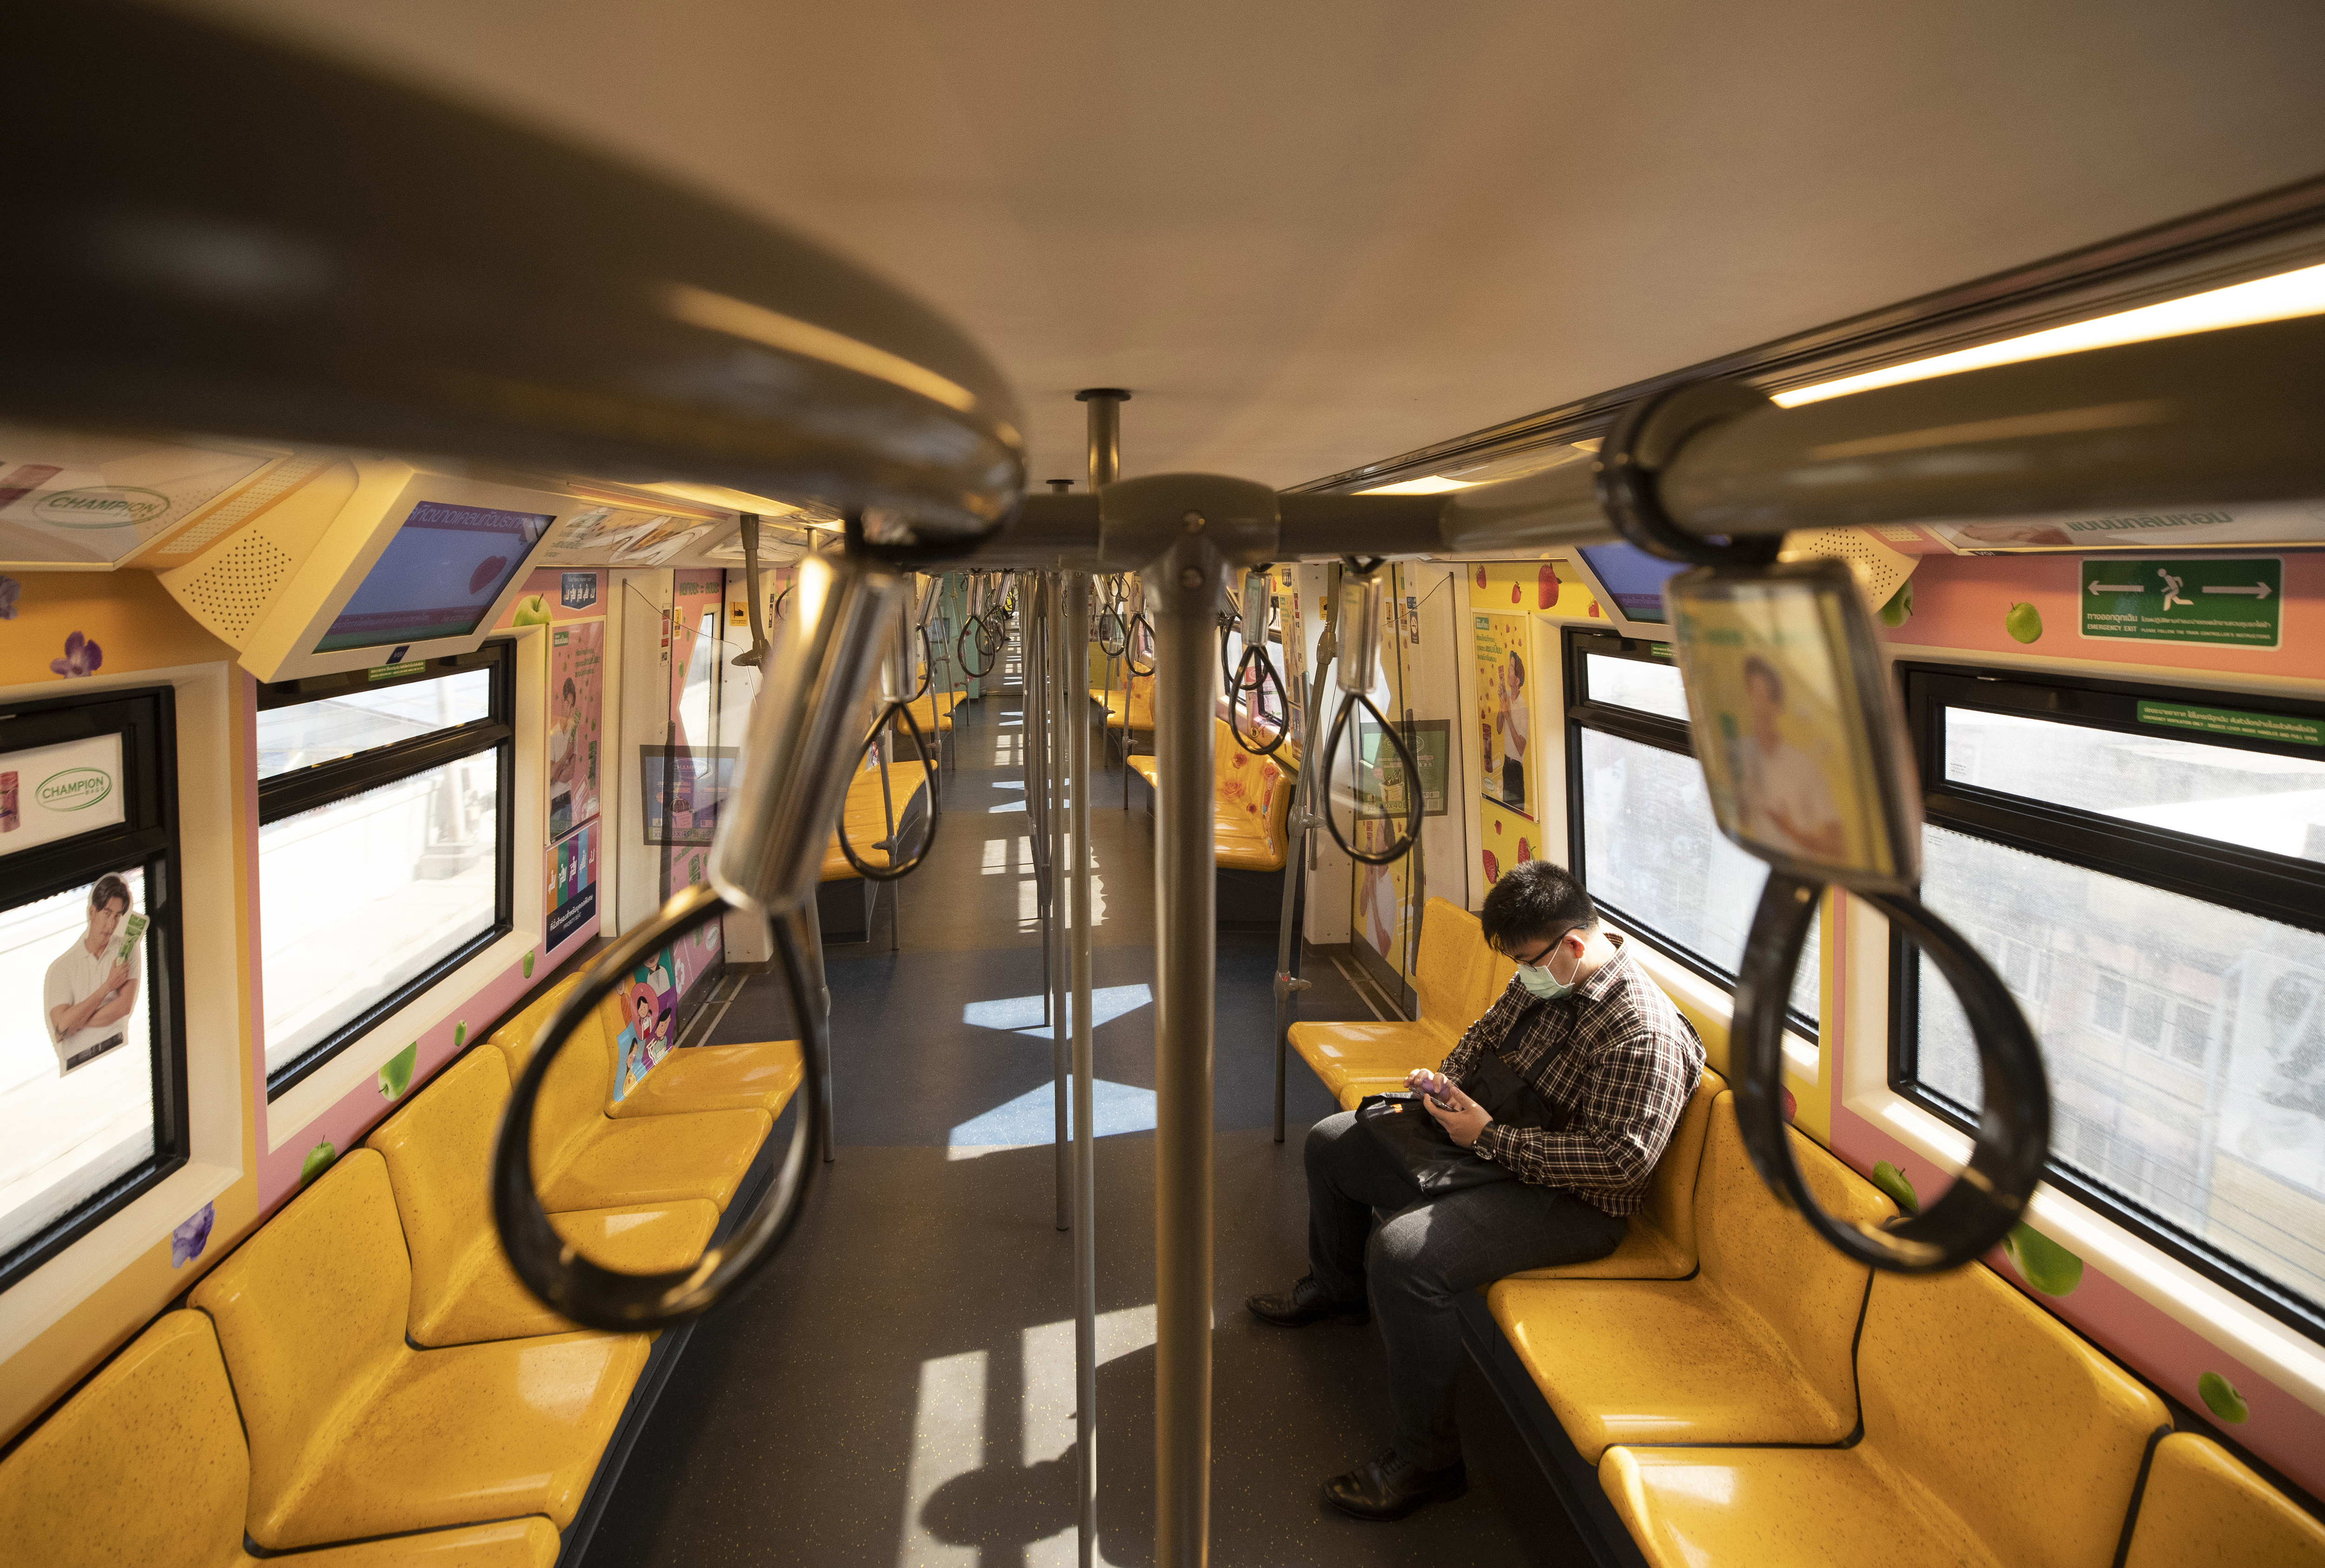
<point>487,572</point>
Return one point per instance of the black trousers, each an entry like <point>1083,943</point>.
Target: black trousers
<point>1423,1254</point>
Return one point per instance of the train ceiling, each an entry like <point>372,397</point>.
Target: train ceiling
<point>1309,237</point>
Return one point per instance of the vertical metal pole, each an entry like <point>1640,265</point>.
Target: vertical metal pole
<point>1183,588</point>
<point>1297,856</point>
<point>1032,745</point>
<point>1053,661</point>
<point>1077,774</point>
<point>807,932</point>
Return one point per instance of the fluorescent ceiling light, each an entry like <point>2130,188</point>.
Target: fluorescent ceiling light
<point>2277,299</point>
<point>1435,485</point>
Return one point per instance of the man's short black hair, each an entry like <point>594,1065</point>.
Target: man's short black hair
<point>1535,902</point>
<point>108,889</point>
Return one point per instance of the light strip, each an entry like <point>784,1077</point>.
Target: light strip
<point>1434,484</point>
<point>2278,299</point>
<point>757,324</point>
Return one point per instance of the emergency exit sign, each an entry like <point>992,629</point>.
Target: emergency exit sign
<point>2226,604</point>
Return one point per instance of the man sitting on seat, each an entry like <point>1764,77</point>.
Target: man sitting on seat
<point>1584,1027</point>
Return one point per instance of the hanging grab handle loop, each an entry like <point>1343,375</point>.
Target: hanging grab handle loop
<point>894,870</point>
<point>1360,630</point>
<point>1256,685</point>
<point>1403,847</point>
<point>1113,630</point>
<point>606,1298</point>
<point>974,624</point>
<point>1141,630</point>
<point>2013,1133</point>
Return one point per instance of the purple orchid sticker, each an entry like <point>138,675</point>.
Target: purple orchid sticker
<point>9,589</point>
<point>187,1242</point>
<point>82,658</point>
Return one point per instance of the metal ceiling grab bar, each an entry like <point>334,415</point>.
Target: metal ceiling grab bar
<point>1360,630</point>
<point>763,863</point>
<point>1762,645</point>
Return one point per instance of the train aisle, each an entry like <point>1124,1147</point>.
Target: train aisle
<point>900,1389</point>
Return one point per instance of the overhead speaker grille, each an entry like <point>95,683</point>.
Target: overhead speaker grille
<point>1879,570</point>
<point>245,503</point>
<point>236,588</point>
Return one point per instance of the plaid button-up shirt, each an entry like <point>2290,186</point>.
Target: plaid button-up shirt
<point>1616,1055</point>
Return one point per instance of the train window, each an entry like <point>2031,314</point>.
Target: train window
<point>92,1059</point>
<point>2146,868</point>
<point>1642,835</point>
<point>384,845</point>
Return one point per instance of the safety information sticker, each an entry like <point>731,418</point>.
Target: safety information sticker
<point>2282,728</point>
<point>2229,604</point>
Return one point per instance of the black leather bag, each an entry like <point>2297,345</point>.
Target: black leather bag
<point>1410,1136</point>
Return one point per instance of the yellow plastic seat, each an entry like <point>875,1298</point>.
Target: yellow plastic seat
<point>515,1037</point>
<point>1251,804</point>
<point>146,1465</point>
<point>1356,1059</point>
<point>756,1075</point>
<point>1134,706</point>
<point>1993,1436</point>
<point>934,717</point>
<point>867,817</point>
<point>751,1075</point>
<point>1661,1241</point>
<point>353,1434</point>
<point>2203,1505</point>
<point>439,1151</point>
<point>585,1158</point>
<point>1754,1349</point>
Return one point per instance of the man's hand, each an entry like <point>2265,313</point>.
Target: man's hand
<point>1463,1121</point>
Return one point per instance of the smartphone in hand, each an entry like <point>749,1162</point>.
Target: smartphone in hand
<point>1435,1084</point>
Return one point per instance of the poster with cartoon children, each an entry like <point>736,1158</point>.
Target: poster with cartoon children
<point>649,1008</point>
<point>576,663</point>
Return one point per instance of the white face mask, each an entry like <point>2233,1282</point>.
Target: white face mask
<point>1538,979</point>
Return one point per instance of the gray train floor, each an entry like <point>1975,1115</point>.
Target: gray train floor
<point>899,1388</point>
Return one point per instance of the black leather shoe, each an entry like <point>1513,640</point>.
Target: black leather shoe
<point>1306,1303</point>
<point>1389,1488</point>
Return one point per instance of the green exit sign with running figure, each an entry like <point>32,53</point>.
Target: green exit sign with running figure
<point>2226,604</point>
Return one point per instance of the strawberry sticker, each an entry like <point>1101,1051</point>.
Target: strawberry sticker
<point>1546,587</point>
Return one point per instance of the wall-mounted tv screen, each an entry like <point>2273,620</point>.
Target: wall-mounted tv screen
<point>437,577</point>
<point>1632,577</point>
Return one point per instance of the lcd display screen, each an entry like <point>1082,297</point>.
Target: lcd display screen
<point>1632,577</point>
<point>437,577</point>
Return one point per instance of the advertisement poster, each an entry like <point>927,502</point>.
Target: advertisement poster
<point>2241,526</point>
<point>1504,710</point>
<point>60,791</point>
<point>1789,771</point>
<point>573,885</point>
<point>575,669</point>
<point>611,536</point>
<point>649,1019</point>
<point>69,499</point>
<point>2271,1122</point>
<point>682,791</point>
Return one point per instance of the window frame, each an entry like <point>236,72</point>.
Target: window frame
<point>1576,645</point>
<point>146,717</point>
<point>2281,888</point>
<point>324,784</point>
